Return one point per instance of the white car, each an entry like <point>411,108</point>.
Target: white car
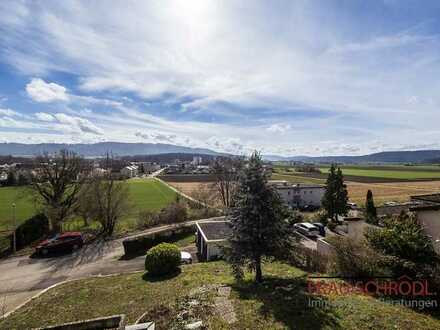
<point>185,257</point>
<point>307,229</point>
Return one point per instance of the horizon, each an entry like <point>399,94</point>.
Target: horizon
<point>305,78</point>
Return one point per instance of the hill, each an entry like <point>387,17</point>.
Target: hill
<point>100,149</point>
<point>417,156</point>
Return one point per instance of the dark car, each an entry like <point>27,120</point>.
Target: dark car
<point>65,242</point>
<point>321,228</point>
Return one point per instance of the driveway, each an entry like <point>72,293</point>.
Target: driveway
<point>23,277</point>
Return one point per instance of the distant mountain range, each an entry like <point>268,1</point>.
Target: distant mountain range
<point>418,156</point>
<point>138,149</point>
<point>100,149</point>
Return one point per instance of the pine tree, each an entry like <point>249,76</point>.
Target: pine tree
<point>258,221</point>
<point>336,196</point>
<point>370,209</point>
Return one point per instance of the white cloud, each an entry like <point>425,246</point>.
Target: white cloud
<point>9,112</point>
<point>77,124</point>
<point>278,128</point>
<point>44,116</point>
<point>41,91</point>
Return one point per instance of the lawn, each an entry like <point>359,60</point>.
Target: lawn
<point>145,194</point>
<point>25,207</point>
<point>281,302</point>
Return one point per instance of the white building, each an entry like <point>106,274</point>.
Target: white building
<point>130,171</point>
<point>197,160</point>
<point>300,195</point>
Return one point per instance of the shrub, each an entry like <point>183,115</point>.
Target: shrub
<point>31,230</point>
<point>147,219</point>
<point>173,213</point>
<point>162,259</point>
<point>352,259</point>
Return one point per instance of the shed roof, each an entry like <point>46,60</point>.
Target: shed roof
<point>215,230</point>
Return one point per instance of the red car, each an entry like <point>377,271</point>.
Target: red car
<point>65,242</point>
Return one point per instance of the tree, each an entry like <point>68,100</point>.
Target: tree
<point>402,237</point>
<point>105,199</point>
<point>58,181</point>
<point>10,180</point>
<point>225,172</point>
<point>258,221</point>
<point>336,196</point>
<point>370,209</point>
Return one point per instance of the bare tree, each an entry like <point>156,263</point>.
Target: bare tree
<point>225,172</point>
<point>107,201</point>
<point>57,182</point>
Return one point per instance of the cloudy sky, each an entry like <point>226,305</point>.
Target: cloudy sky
<point>284,77</point>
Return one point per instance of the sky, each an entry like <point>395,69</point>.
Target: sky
<point>308,77</point>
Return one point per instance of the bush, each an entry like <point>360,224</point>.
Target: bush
<point>173,213</point>
<point>352,259</point>
<point>31,230</point>
<point>162,259</point>
<point>147,219</point>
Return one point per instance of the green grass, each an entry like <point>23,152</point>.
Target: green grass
<point>281,302</point>
<point>24,209</point>
<point>145,194</point>
<point>391,172</point>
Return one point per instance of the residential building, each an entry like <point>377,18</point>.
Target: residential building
<point>299,195</point>
<point>211,236</point>
<point>197,160</point>
<point>130,171</point>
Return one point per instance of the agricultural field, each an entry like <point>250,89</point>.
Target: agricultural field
<point>145,194</point>
<point>388,183</point>
<point>395,172</point>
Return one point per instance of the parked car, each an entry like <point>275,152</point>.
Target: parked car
<point>321,228</point>
<point>185,257</point>
<point>65,242</point>
<point>351,205</point>
<point>307,229</point>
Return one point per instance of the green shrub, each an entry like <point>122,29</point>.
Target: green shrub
<point>351,259</point>
<point>31,230</point>
<point>162,259</point>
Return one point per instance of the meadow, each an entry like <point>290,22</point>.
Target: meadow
<point>145,194</point>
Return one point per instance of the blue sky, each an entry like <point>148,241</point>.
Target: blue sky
<point>283,77</point>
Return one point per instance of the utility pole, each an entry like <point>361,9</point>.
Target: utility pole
<point>14,233</point>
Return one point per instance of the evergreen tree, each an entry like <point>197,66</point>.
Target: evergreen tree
<point>10,181</point>
<point>370,209</point>
<point>258,221</point>
<point>336,196</point>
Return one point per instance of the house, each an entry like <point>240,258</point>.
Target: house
<point>299,195</point>
<point>130,171</point>
<point>211,237</point>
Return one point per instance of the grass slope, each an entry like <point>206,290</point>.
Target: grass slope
<point>281,302</point>
<point>145,194</point>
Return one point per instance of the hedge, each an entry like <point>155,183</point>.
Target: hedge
<point>31,230</point>
<point>139,245</point>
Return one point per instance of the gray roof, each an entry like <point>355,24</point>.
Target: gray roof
<point>215,230</point>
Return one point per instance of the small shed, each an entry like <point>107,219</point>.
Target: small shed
<point>211,236</point>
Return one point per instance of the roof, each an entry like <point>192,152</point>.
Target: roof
<point>432,198</point>
<point>215,230</point>
<point>299,186</point>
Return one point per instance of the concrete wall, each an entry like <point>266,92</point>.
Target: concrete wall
<point>323,247</point>
<point>430,221</point>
